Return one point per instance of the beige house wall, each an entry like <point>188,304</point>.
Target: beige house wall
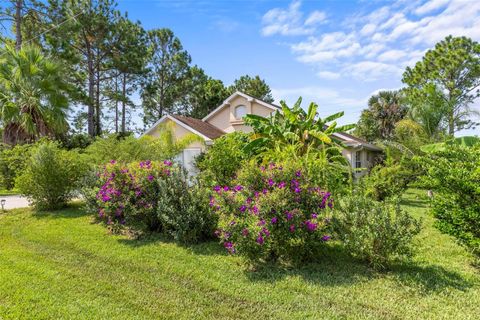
<point>225,118</point>
<point>366,159</point>
<point>179,133</point>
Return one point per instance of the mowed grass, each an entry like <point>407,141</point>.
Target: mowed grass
<point>62,266</point>
<point>5,192</point>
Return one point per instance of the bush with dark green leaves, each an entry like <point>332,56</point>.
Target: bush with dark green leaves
<point>387,180</point>
<point>376,232</point>
<point>453,173</point>
<point>183,209</point>
<point>219,164</point>
<point>12,161</point>
<point>51,175</point>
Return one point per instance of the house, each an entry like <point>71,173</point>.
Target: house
<point>228,117</point>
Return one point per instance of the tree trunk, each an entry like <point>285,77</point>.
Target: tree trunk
<point>116,105</point>
<point>451,124</point>
<point>98,126</point>
<point>124,92</point>
<point>451,115</point>
<point>91,88</point>
<point>18,24</point>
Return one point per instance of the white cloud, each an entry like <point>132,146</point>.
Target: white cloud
<point>329,75</point>
<point>430,5</point>
<point>316,17</point>
<point>368,29</point>
<point>378,15</point>
<point>392,55</point>
<point>371,70</point>
<point>381,44</point>
<point>290,21</point>
<point>329,46</point>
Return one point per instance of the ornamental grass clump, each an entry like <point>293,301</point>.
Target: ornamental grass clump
<point>272,213</point>
<point>127,194</point>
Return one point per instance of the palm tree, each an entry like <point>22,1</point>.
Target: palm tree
<point>387,109</point>
<point>33,95</point>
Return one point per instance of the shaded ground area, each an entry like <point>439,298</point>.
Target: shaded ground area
<point>62,265</point>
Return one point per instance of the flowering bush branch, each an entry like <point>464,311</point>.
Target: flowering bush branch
<point>272,213</point>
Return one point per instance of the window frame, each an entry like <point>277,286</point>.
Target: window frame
<point>358,159</point>
<point>236,114</point>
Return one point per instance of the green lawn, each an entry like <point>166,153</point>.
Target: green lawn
<point>61,265</point>
<point>5,192</point>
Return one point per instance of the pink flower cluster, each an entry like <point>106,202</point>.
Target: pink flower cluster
<point>279,207</point>
<point>125,190</point>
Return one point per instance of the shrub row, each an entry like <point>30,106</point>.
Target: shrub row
<point>287,211</point>
<point>151,196</point>
<point>275,212</point>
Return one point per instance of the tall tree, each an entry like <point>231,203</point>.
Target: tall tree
<point>85,35</point>
<point>167,82</point>
<point>23,16</point>
<point>385,109</point>
<point>453,66</point>
<point>254,86</point>
<point>204,93</point>
<point>129,68</point>
<point>33,95</point>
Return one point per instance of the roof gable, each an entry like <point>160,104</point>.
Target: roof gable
<point>226,103</point>
<point>196,126</point>
<point>203,127</point>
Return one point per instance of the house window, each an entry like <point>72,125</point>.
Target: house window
<point>358,159</point>
<point>240,112</point>
<point>187,158</point>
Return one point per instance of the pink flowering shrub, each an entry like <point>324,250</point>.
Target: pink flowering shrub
<point>127,194</point>
<point>272,212</point>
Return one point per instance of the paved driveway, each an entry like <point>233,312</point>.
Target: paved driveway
<point>12,202</point>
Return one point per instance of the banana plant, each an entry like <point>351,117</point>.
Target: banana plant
<point>294,126</point>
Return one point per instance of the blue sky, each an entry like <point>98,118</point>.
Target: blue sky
<point>336,53</point>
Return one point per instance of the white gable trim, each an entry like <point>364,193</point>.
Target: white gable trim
<point>234,95</point>
<point>341,136</point>
<point>354,143</point>
<point>162,119</point>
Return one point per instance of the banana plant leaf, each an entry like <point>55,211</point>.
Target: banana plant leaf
<point>467,141</point>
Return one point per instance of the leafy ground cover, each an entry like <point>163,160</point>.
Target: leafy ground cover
<point>61,265</point>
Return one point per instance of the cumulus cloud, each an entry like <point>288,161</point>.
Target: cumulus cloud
<point>291,21</point>
<point>330,46</point>
<point>316,17</point>
<point>430,5</point>
<point>379,44</point>
<point>372,70</point>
